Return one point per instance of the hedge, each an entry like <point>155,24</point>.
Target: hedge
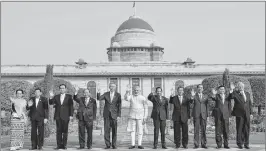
<point>258,89</point>
<point>56,83</point>
<point>8,89</point>
<point>215,81</point>
<point>187,89</point>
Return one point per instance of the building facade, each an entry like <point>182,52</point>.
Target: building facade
<point>135,57</point>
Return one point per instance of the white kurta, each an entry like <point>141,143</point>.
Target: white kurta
<point>138,111</point>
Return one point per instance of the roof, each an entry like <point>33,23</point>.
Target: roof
<point>135,23</point>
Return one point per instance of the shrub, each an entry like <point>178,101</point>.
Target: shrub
<point>187,89</point>
<point>258,89</point>
<point>215,81</point>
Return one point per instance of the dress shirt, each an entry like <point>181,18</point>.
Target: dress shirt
<point>62,97</point>
<point>111,96</point>
<point>37,101</point>
<point>180,98</point>
<point>223,98</point>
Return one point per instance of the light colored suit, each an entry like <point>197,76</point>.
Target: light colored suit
<point>138,111</point>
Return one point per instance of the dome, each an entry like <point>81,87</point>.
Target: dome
<point>135,23</point>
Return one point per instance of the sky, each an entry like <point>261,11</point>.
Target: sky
<point>40,33</point>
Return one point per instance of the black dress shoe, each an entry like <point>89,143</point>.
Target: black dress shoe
<point>227,147</point>
<point>131,147</point>
<point>107,147</point>
<point>57,148</point>
<point>154,147</point>
<point>32,148</point>
<point>247,147</point>
<point>64,148</point>
<point>196,147</point>
<point>164,147</point>
<point>185,146</point>
<point>177,146</point>
<point>240,147</point>
<point>204,146</point>
<point>140,147</point>
<point>40,148</point>
<point>218,147</point>
<point>114,147</point>
<point>80,148</point>
<point>89,147</point>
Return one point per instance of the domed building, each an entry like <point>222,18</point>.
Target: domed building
<point>134,41</point>
<point>135,58</point>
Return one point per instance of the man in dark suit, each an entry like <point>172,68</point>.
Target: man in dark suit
<point>111,113</point>
<point>180,117</point>
<point>86,114</point>
<point>38,113</point>
<point>200,115</point>
<point>159,115</point>
<point>243,111</point>
<point>63,104</point>
<point>221,113</point>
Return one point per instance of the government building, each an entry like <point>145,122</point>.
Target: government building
<point>135,57</point>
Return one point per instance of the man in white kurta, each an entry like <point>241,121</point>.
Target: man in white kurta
<point>138,113</point>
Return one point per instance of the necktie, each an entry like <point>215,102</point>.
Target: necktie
<point>223,98</point>
<point>200,95</point>
<point>87,101</point>
<point>180,98</point>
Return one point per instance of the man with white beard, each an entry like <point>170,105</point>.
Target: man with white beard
<point>138,113</point>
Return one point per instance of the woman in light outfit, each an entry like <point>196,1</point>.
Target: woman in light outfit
<point>18,121</point>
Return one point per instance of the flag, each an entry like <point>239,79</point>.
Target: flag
<point>134,4</point>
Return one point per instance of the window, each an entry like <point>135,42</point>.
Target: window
<point>135,82</point>
<point>157,82</point>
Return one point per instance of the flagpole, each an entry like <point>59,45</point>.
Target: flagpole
<point>134,9</point>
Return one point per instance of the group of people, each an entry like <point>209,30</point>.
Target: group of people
<point>200,103</point>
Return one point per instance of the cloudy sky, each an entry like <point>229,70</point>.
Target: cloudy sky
<point>61,33</point>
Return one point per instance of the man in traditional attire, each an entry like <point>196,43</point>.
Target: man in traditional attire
<point>138,113</point>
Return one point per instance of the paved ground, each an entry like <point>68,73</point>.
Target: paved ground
<point>257,142</point>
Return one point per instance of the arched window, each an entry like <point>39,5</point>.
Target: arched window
<point>92,87</point>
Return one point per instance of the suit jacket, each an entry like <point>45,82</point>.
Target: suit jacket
<point>160,107</point>
<point>221,108</point>
<point>65,110</point>
<point>40,112</point>
<point>111,106</point>
<point>180,110</point>
<point>200,106</point>
<point>86,112</point>
<point>241,108</point>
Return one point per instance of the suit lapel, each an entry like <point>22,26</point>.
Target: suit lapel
<point>108,97</point>
<point>114,97</point>
<point>241,97</point>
